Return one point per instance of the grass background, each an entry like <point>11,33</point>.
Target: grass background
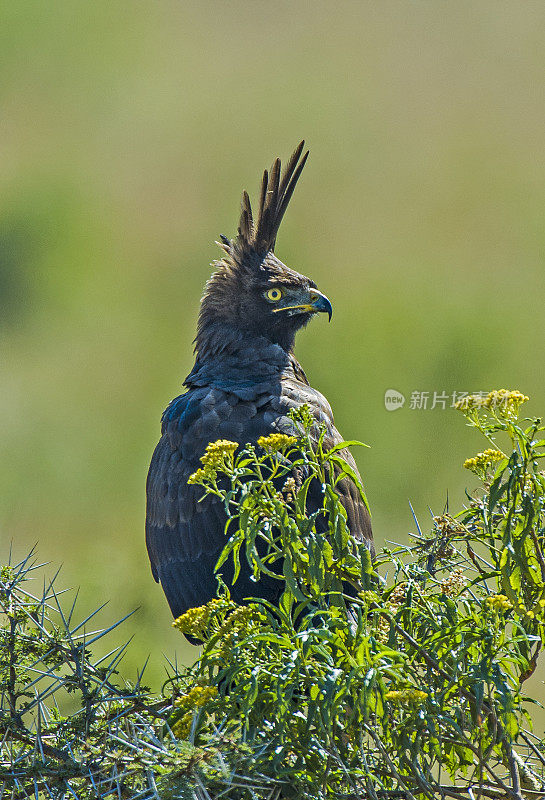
<point>128,131</point>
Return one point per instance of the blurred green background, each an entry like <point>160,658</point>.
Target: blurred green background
<point>128,131</point>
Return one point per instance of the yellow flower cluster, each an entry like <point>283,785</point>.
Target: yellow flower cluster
<point>499,602</point>
<point>196,698</point>
<point>504,400</point>
<point>237,626</point>
<point>454,584</point>
<point>275,442</point>
<point>405,697</point>
<point>216,451</point>
<point>239,618</point>
<point>509,401</point>
<point>229,619</point>
<point>217,455</point>
<point>479,463</point>
<point>195,620</point>
<point>201,476</point>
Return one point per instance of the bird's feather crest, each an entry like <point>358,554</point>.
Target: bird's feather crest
<point>257,236</point>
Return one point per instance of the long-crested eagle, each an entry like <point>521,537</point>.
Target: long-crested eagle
<point>244,382</point>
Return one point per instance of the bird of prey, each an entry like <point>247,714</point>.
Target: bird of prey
<point>244,382</point>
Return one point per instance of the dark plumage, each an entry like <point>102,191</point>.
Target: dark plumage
<point>244,382</point>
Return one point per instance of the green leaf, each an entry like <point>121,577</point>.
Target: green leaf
<point>344,446</point>
<point>351,473</point>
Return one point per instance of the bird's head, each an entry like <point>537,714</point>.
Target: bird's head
<point>252,293</point>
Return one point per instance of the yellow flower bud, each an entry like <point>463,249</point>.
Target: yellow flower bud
<point>482,461</point>
<point>406,696</point>
<point>276,441</point>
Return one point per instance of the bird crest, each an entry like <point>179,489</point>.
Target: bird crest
<point>257,236</point>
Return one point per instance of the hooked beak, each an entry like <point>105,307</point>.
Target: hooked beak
<point>316,303</point>
<point>320,302</point>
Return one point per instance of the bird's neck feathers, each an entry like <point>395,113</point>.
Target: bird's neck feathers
<point>221,336</point>
<point>227,357</point>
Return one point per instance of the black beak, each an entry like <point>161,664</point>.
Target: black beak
<point>320,302</point>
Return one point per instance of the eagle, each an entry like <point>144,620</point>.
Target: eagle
<point>244,382</point>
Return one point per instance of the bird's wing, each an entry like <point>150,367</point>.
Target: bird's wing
<point>185,534</point>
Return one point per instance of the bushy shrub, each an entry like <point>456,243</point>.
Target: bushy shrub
<point>398,678</point>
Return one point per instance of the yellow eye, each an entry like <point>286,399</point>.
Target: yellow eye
<point>274,295</point>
